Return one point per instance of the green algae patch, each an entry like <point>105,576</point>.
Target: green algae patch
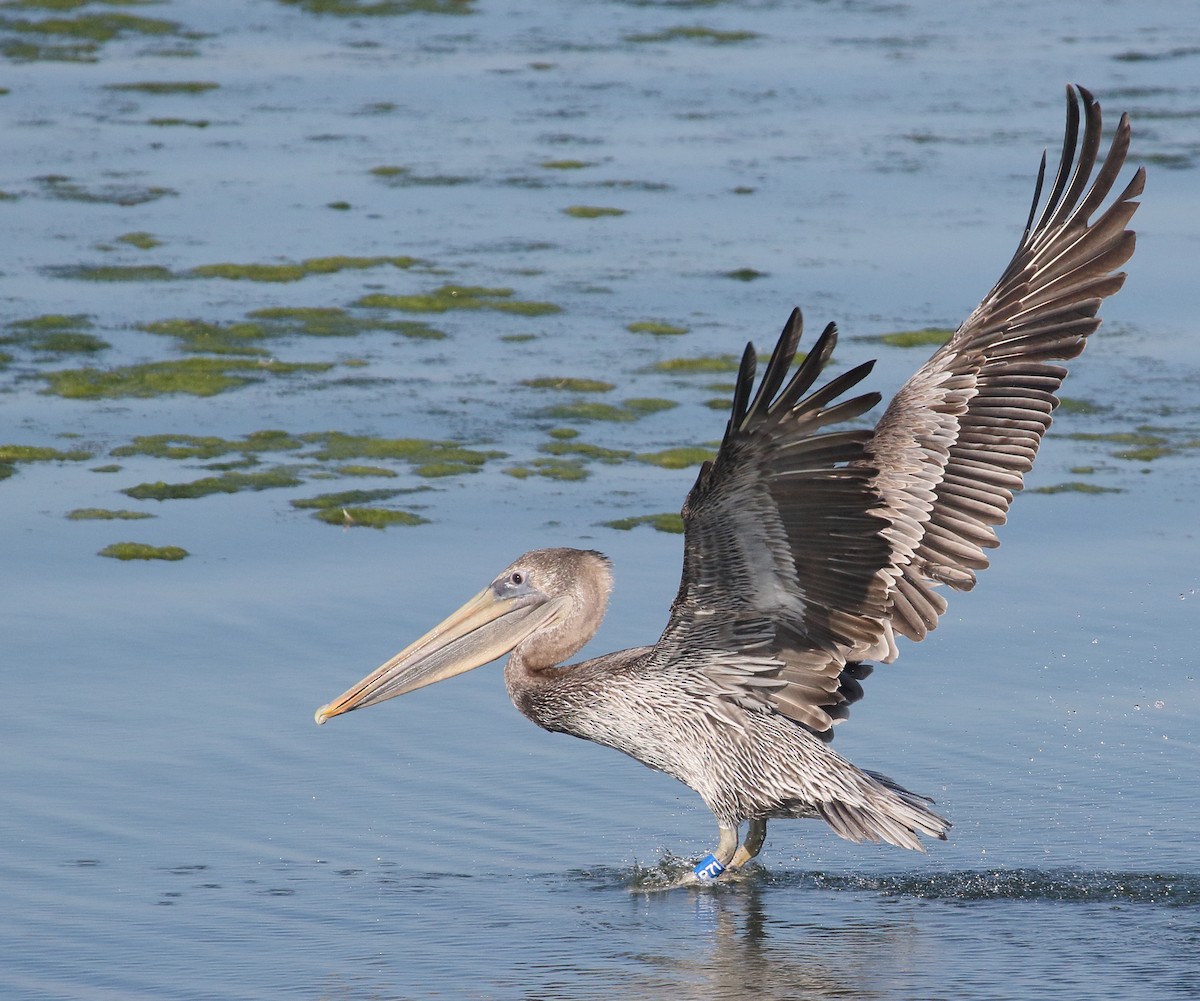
<point>702,364</point>
<point>448,297</point>
<point>329,321</point>
<point>190,446</point>
<point>293,272</point>
<point>211,338</point>
<point>72,39</point>
<point>167,123</point>
<point>165,86</point>
<point>745,274</point>
<point>569,384</point>
<point>643,405</point>
<point>65,189</point>
<point>336,446</point>
<point>1070,405</point>
<point>67,342</point>
<point>589,410</point>
<point>104,514</point>
<point>694,33</point>
<point>403,177</point>
<point>551,469</point>
<point>563,434</point>
<point>592,211</point>
<point>195,376</point>
<point>116,273</point>
<point>110,467</point>
<point>1075,487</point>
<point>52,321</point>
<point>1141,446</point>
<point>354,469</point>
<point>54,333</point>
<point>656,327</point>
<point>368,517</point>
<point>567,164</point>
<point>343,498</point>
<point>585,450</point>
<point>243,337</point>
<point>142,551</point>
<point>925,337</point>
<point>40,453</point>
<point>227,483</point>
<point>676,458</point>
<point>143,241</point>
<point>382,8</point>
<point>669,522</point>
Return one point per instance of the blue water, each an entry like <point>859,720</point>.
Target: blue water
<point>174,826</point>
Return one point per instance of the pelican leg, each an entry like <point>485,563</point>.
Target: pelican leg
<point>756,834</point>
<point>711,866</point>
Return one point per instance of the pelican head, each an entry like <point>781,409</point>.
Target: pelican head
<point>552,600</point>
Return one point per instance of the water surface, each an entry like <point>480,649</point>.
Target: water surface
<point>173,824</point>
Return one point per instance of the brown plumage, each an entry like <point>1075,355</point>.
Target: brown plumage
<point>810,546</point>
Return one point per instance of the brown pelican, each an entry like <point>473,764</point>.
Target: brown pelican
<point>809,546</point>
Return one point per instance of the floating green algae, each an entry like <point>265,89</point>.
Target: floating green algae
<point>590,410</point>
<point>1075,487</point>
<point>669,522</point>
<point>563,433</point>
<point>382,8</point>
<point>191,123</point>
<point>584,450</point>
<point>292,272</point>
<point>339,206</point>
<point>72,39</point>
<point>165,86</point>
<point>143,241</point>
<point>242,337</point>
<point>656,327</point>
<point>569,384</point>
<point>55,333</point>
<point>745,274</point>
<point>104,514</point>
<point>40,453</point>
<point>65,189</point>
<point>403,177</point>
<point>592,211</point>
<point>329,321</point>
<point>357,469</point>
<point>1070,405</point>
<point>1142,446</point>
<point>694,33</point>
<point>343,498</point>
<point>52,321</point>
<point>227,483</point>
<point>915,338</point>
<point>190,446</point>
<point>368,517</point>
<point>704,364</point>
<point>567,164</point>
<point>552,469</point>
<point>196,376</point>
<point>67,342</point>
<point>142,551</point>
<point>335,445</point>
<point>676,458</point>
<point>448,297</point>
<point>116,273</point>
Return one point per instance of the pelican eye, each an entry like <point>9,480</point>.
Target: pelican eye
<point>517,578</point>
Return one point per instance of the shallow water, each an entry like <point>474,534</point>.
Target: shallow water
<point>173,824</point>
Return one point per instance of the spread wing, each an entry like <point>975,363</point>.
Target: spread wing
<point>808,546</point>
